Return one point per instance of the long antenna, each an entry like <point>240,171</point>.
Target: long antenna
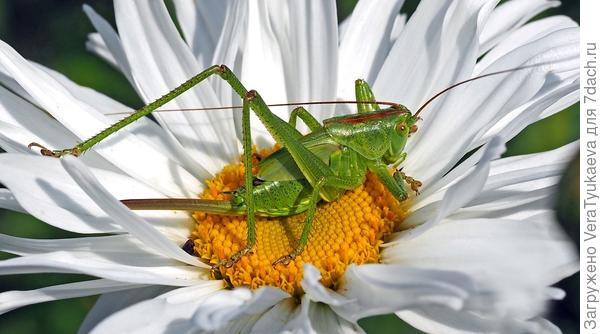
<point>469,80</point>
<point>385,103</point>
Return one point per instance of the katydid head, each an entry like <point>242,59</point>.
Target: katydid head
<point>405,125</point>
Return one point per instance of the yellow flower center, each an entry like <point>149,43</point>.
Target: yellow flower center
<point>348,230</point>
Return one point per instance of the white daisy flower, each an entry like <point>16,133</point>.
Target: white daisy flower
<point>477,251</point>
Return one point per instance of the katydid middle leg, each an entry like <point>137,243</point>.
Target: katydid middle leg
<point>306,117</point>
<point>363,93</point>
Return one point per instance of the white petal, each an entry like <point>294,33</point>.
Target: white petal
<point>23,122</point>
<point>14,139</point>
<point>143,128</point>
<point>489,100</point>
<point>73,262</point>
<point>229,50</point>
<point>168,313</point>
<point>160,61</point>
<point>325,320</point>
<point>535,239</point>
<point>399,24</point>
<point>46,191</point>
<point>521,183</point>
<point>506,203</point>
<point>222,307</point>
<point>113,302</point>
<point>42,187</point>
<point>524,35</point>
<point>111,41</point>
<point>122,149</point>
<point>11,300</point>
<point>312,318</point>
<point>299,322</point>
<point>457,195</point>
<point>135,225</point>
<point>526,173</point>
<point>561,155</point>
<point>514,260</point>
<point>380,289</point>
<point>435,319</point>
<point>18,112</point>
<point>119,249</point>
<point>316,291</point>
<point>95,44</point>
<point>438,46</point>
<point>343,26</point>
<point>9,202</point>
<point>276,318</point>
<point>366,43</point>
<point>243,324</point>
<point>96,255</point>
<point>506,165</point>
<point>176,223</point>
<point>312,62</point>
<point>262,66</point>
<point>536,109</point>
<point>509,16</point>
<point>201,23</point>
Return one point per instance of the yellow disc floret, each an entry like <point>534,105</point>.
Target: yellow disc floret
<point>348,230</point>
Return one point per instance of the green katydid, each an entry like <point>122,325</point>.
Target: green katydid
<point>321,165</point>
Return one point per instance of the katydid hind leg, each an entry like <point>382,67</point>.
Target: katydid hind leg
<point>83,146</point>
<point>310,216</point>
<point>249,197</point>
<point>332,181</point>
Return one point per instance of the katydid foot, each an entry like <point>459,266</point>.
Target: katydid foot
<point>286,259</point>
<point>55,153</point>
<point>414,183</point>
<point>228,263</point>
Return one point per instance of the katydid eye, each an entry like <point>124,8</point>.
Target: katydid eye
<point>401,128</point>
<point>413,129</point>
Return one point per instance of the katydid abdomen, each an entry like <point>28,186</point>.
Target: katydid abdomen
<point>279,186</point>
<point>272,199</point>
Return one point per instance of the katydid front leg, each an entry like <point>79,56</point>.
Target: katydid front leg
<point>415,184</point>
<point>394,186</point>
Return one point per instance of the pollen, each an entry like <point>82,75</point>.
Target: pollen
<point>346,231</point>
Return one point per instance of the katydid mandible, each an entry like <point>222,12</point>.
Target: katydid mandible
<point>321,165</point>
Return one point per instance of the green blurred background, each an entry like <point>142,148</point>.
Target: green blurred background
<point>53,33</point>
